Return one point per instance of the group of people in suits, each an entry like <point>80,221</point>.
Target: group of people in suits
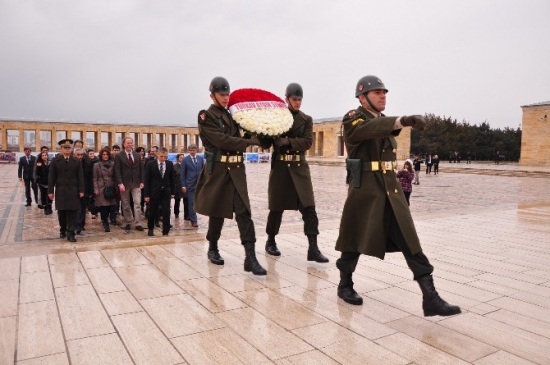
<point>127,173</point>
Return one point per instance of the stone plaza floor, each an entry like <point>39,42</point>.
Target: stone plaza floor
<point>125,298</point>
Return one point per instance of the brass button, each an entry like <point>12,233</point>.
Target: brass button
<point>288,165</point>
<point>227,153</point>
<point>394,150</point>
<point>388,192</point>
<point>238,166</point>
<point>229,168</point>
<point>383,150</point>
<point>383,171</point>
<point>396,191</point>
<point>298,165</point>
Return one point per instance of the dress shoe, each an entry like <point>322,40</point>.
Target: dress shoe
<point>150,233</point>
<point>127,227</point>
<point>78,231</point>
<point>165,233</point>
<point>71,237</point>
<point>194,224</point>
<point>40,206</point>
<point>157,224</point>
<point>62,235</point>
<point>139,228</point>
<point>28,204</point>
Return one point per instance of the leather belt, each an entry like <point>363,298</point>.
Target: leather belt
<point>231,159</point>
<point>379,166</point>
<point>289,158</point>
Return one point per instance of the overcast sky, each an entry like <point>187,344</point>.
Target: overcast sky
<point>152,61</point>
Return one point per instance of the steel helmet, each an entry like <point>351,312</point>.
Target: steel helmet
<point>219,85</point>
<point>368,83</point>
<point>294,90</point>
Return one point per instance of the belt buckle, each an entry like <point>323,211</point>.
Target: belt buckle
<point>374,166</point>
<point>388,165</point>
<point>297,158</point>
<point>288,157</point>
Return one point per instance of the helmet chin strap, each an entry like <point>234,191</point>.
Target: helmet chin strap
<point>216,101</point>
<point>371,104</point>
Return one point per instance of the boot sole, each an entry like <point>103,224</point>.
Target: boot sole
<point>256,273</point>
<point>217,262</point>
<point>434,313</point>
<point>273,253</point>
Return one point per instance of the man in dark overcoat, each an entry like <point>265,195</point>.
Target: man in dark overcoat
<point>159,187</point>
<point>290,186</point>
<point>376,218</point>
<point>66,179</point>
<point>25,174</point>
<point>221,189</point>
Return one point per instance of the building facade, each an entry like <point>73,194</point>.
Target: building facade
<point>535,148</point>
<point>18,134</point>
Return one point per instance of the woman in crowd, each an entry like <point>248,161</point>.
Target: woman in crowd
<point>104,176</point>
<point>406,176</point>
<point>41,177</point>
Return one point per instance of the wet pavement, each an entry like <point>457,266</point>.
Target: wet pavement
<point>122,297</point>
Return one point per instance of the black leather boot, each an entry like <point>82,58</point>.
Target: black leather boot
<point>250,261</point>
<point>71,236</point>
<point>432,304</point>
<point>313,253</point>
<point>106,226</point>
<point>271,246</point>
<point>345,288</point>
<point>214,254</point>
<point>62,234</point>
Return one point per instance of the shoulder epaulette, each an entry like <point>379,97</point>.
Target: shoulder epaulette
<point>354,116</point>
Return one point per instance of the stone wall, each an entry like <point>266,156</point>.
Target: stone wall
<point>535,136</point>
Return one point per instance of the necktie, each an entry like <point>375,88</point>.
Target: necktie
<point>161,169</point>
<point>195,161</point>
<point>130,160</point>
<point>28,160</point>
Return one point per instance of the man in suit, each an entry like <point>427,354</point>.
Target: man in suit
<point>129,177</point>
<point>221,189</point>
<point>25,171</point>
<point>159,187</point>
<point>66,179</point>
<point>191,167</point>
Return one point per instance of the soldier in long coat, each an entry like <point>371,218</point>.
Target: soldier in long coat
<point>221,188</point>
<point>376,218</point>
<point>66,179</point>
<point>290,185</point>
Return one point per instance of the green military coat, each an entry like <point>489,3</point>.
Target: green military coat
<point>365,221</point>
<point>67,180</point>
<point>214,193</point>
<point>290,181</point>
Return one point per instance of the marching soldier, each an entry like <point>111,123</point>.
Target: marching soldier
<point>290,186</point>
<point>221,188</point>
<point>67,180</point>
<point>376,218</point>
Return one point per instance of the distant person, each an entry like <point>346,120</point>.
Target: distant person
<point>178,193</point>
<point>80,222</point>
<point>41,173</point>
<point>66,180</point>
<point>435,163</point>
<point>406,176</point>
<point>25,174</point>
<point>191,168</point>
<point>417,162</point>
<point>429,164</point>
<point>159,185</point>
<point>104,176</point>
<point>129,178</point>
<point>497,157</point>
<point>468,157</point>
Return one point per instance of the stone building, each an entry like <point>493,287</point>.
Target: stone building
<point>18,134</point>
<point>535,145</point>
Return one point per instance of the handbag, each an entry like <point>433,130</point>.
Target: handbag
<point>92,208</point>
<point>109,192</point>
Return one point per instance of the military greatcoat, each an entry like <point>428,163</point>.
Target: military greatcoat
<point>291,180</point>
<point>67,179</point>
<point>366,215</point>
<point>214,193</point>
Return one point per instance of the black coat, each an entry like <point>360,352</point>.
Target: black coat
<point>155,185</point>
<point>67,180</point>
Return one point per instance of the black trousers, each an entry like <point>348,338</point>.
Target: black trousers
<point>243,218</point>
<point>67,219</point>
<point>29,183</point>
<point>159,205</point>
<point>309,216</point>
<point>46,201</point>
<point>419,263</point>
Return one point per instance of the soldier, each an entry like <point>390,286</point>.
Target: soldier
<point>290,185</point>
<point>376,218</point>
<point>67,179</point>
<point>221,188</point>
